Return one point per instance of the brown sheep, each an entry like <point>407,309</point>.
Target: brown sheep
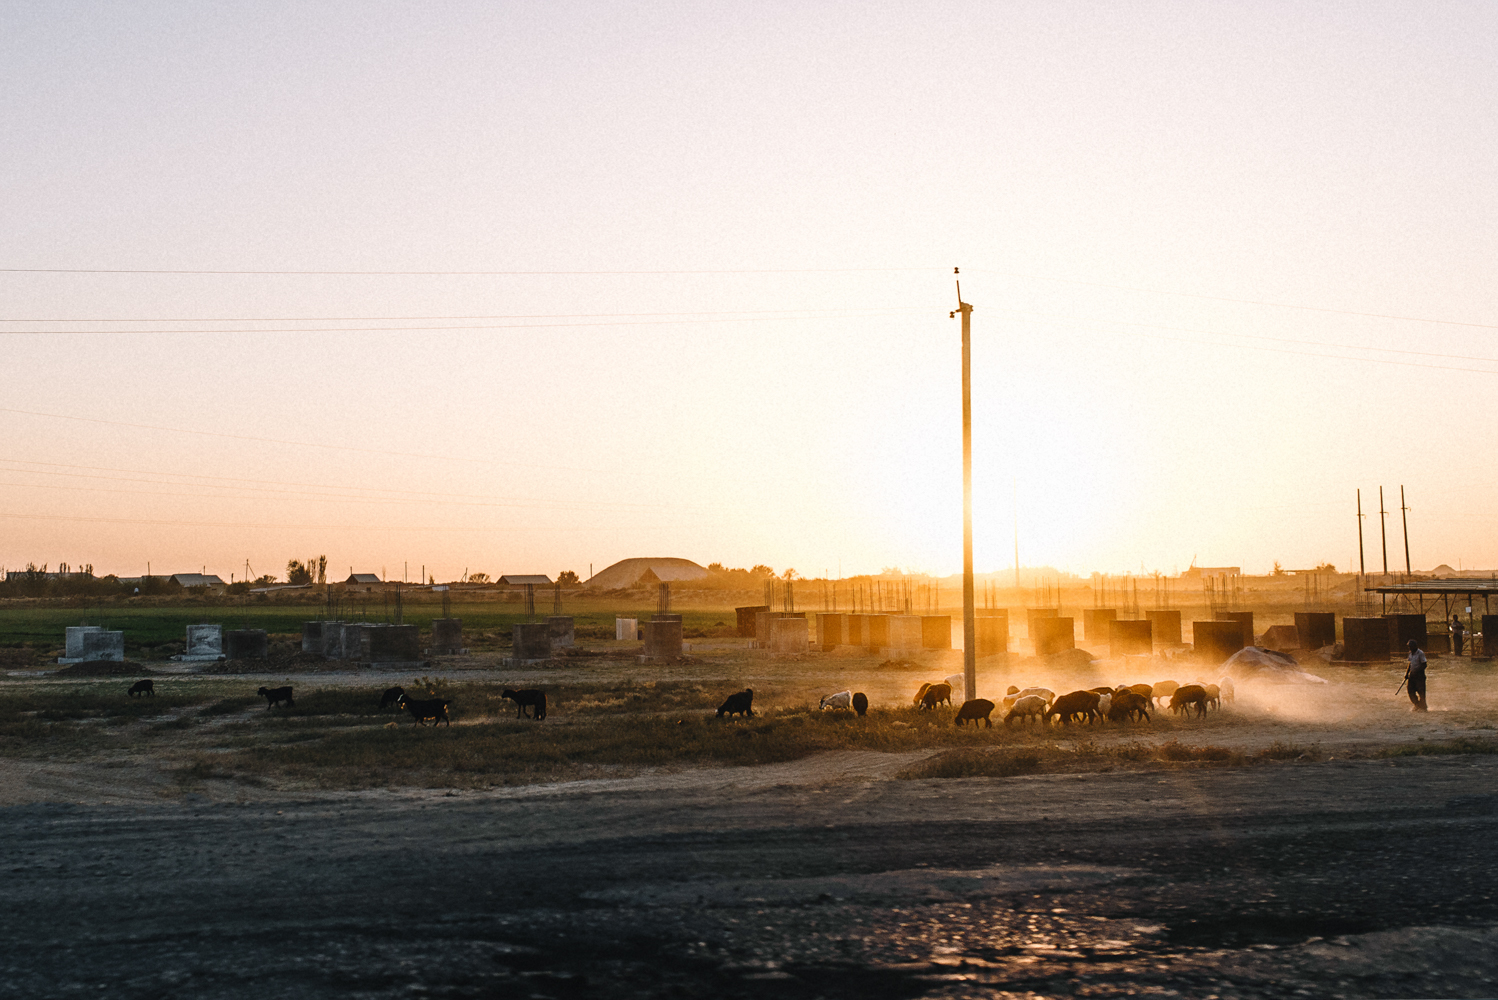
<point>935,695</point>
<point>919,695</point>
<point>1163,690</point>
<point>1080,705</point>
<point>1183,699</point>
<point>978,708</point>
<point>1129,704</point>
<point>1146,691</point>
<point>1214,695</point>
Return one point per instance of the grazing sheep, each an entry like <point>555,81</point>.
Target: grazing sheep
<point>392,696</point>
<point>530,698</point>
<point>1163,690</point>
<point>1127,704</point>
<point>1143,690</point>
<point>1226,684</point>
<point>935,695</point>
<point>1025,708</point>
<point>147,687</point>
<point>977,708</point>
<point>1079,705</point>
<point>1104,702</point>
<point>430,708</point>
<point>1044,693</point>
<point>738,704</point>
<point>860,703</point>
<point>843,699</point>
<point>1012,690</point>
<point>919,695</point>
<point>273,696</point>
<point>1187,697</point>
<point>1214,695</point>
<point>1101,690</point>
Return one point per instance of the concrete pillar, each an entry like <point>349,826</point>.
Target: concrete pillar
<point>1215,641</point>
<point>1034,614</point>
<point>1054,635</point>
<point>1130,638</point>
<point>246,644</point>
<point>73,648</point>
<point>992,635</point>
<point>878,631</point>
<point>312,637</point>
<point>626,628</point>
<point>1316,629</point>
<point>1095,622</point>
<point>1167,627</point>
<point>103,645</point>
<point>856,630</point>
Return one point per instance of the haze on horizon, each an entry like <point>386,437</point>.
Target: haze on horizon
<point>1229,263</point>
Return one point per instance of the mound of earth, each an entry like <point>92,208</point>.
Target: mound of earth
<point>104,668</point>
<point>1068,659</point>
<point>1269,666</point>
<point>274,664</point>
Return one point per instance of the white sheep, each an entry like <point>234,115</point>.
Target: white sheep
<point>958,681</point>
<point>1104,702</point>
<point>843,699</point>
<point>1039,692</point>
<point>1026,707</point>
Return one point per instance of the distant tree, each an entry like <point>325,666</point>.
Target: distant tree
<point>790,574</point>
<point>1326,568</point>
<point>1278,569</point>
<point>322,569</point>
<point>567,578</point>
<point>761,571</point>
<point>715,567</point>
<point>478,577</point>
<point>298,573</point>
<point>267,580</point>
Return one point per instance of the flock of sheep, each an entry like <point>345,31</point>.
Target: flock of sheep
<point>1130,702</point>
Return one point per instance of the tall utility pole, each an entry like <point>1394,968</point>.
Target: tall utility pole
<point>1361,569</point>
<point>1383,536</point>
<point>969,614</point>
<point>1404,519</point>
<point>1015,486</point>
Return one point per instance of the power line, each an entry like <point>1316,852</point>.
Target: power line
<point>371,319</point>
<point>471,274</point>
<point>1242,302</point>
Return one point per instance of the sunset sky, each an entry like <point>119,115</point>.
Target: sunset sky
<point>527,287</point>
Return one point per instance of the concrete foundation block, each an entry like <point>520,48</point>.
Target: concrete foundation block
<point>789,636</point>
<point>663,640</point>
<point>312,637</point>
<point>993,635</point>
<point>626,628</point>
<point>1131,637</point>
<point>1316,629</point>
<point>1403,628</point>
<point>904,633</point>
<point>876,635</point>
<point>531,641</point>
<point>447,636</point>
<point>745,619</point>
<point>246,644</point>
<point>1095,622</point>
<point>1243,618</point>
<point>73,648</point>
<point>1034,614</point>
<point>830,630</point>
<point>205,644</point>
<point>936,631</point>
<point>93,644</point>
<point>1053,635</point>
<point>1366,640</point>
<point>1282,638</point>
<point>1166,626</point>
<point>563,631</point>
<point>1215,641</point>
<point>856,630</point>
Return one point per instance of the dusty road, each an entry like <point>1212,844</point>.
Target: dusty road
<point>1356,878</point>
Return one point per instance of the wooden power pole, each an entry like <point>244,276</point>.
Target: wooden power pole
<point>969,614</point>
<point>1404,520</point>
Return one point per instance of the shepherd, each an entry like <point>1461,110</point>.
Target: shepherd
<point>1458,633</point>
<point>1414,676</point>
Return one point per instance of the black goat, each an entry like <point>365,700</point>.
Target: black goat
<point>142,687</point>
<point>275,696</point>
<point>738,704</point>
<point>530,698</point>
<point>430,708</point>
<point>392,696</point>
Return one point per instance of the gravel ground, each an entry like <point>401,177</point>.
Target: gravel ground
<point>1346,878</point>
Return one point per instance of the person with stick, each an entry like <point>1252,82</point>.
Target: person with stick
<point>1414,676</point>
<point>1458,633</point>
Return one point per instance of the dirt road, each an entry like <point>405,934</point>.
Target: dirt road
<point>1355,878</point>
